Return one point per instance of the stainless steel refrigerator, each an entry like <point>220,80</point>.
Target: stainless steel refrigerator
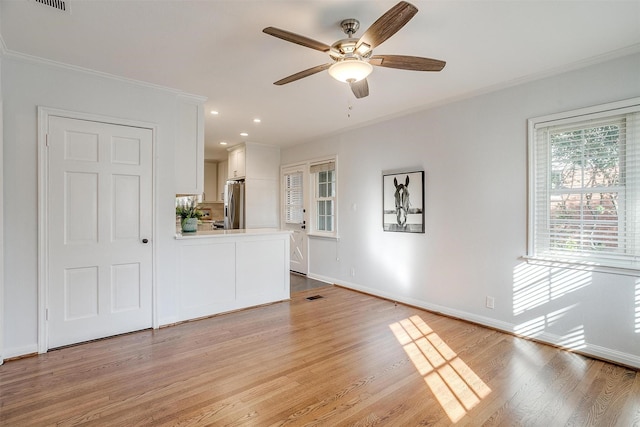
<point>234,205</point>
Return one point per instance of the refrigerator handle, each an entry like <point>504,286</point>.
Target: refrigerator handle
<point>232,208</point>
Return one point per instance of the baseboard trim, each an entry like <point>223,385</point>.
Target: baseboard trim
<point>20,352</point>
<point>320,278</point>
<point>590,350</point>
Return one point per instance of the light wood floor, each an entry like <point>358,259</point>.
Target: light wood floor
<point>301,282</point>
<point>344,359</point>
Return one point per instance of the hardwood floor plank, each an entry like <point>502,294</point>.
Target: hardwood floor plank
<point>347,359</point>
<point>630,411</point>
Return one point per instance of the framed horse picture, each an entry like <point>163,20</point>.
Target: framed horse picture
<point>403,202</point>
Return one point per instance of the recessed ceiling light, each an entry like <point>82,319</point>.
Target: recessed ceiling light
<point>256,120</point>
<point>244,134</point>
<point>214,112</point>
<point>223,143</point>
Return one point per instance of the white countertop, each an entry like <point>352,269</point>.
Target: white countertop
<point>222,233</point>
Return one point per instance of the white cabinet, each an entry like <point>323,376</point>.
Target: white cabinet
<point>259,166</point>
<point>210,181</point>
<point>224,271</point>
<point>189,145</point>
<point>237,163</point>
<point>261,203</point>
<point>222,179</point>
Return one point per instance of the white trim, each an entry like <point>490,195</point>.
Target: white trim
<point>531,78</point>
<point>313,231</point>
<point>1,233</point>
<point>607,109</point>
<point>538,124</point>
<point>20,351</point>
<point>43,243</point>
<point>11,54</point>
<point>316,235</point>
<point>321,278</point>
<point>584,266</point>
<point>587,349</point>
<point>302,167</point>
<point>43,226</point>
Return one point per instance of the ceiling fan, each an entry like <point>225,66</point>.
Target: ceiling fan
<point>353,58</point>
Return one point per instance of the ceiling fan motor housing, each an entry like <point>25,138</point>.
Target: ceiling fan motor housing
<point>350,26</point>
<point>344,48</point>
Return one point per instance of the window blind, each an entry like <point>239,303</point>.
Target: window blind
<point>586,188</point>
<point>323,167</point>
<point>293,194</point>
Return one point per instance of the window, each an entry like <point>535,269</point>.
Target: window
<point>293,198</point>
<point>324,197</point>
<point>585,186</point>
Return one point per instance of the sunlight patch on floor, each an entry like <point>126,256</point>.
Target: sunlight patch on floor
<point>456,387</point>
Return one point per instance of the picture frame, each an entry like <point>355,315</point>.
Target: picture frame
<point>403,202</point>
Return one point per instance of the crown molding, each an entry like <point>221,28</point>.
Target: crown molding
<point>11,54</point>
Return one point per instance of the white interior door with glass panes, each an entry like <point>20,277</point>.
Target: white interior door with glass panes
<point>99,223</point>
<point>295,218</point>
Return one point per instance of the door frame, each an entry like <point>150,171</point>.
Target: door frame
<point>1,232</point>
<point>304,166</point>
<point>44,113</point>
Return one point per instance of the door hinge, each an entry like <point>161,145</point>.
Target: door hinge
<point>46,140</point>
<point>46,314</point>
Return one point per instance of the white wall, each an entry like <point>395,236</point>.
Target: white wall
<point>27,84</point>
<point>473,153</point>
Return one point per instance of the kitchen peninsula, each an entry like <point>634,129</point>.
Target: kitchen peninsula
<point>225,270</point>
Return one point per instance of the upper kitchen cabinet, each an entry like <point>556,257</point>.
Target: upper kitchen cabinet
<point>259,166</point>
<point>222,179</point>
<point>189,146</point>
<point>253,160</point>
<point>210,182</point>
<point>237,163</point>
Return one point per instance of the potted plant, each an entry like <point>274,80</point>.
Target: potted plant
<point>189,215</point>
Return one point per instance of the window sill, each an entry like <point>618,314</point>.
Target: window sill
<point>626,270</point>
<point>323,236</point>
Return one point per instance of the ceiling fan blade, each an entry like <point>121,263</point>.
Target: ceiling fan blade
<point>403,62</point>
<point>296,38</point>
<point>360,88</point>
<point>302,74</point>
<point>386,26</point>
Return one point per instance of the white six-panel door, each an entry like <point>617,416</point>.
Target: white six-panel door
<point>99,210</point>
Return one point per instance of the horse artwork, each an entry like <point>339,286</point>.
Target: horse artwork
<point>403,209</point>
<point>401,197</point>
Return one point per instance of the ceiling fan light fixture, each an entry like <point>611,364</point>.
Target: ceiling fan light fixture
<point>350,70</point>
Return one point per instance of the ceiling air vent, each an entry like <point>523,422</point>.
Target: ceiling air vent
<point>60,5</point>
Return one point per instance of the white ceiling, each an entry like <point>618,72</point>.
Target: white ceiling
<point>217,49</point>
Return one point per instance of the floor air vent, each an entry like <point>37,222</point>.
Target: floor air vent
<point>61,5</point>
<point>315,297</point>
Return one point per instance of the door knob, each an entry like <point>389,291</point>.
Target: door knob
<point>145,241</point>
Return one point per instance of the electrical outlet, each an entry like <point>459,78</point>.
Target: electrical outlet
<point>491,302</point>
